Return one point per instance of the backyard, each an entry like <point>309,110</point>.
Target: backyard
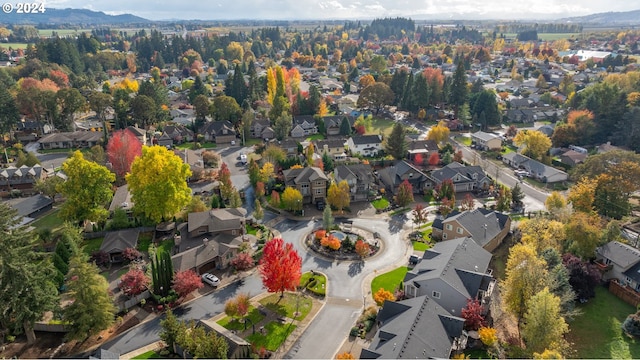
<point>51,221</point>
<point>389,281</point>
<point>596,334</point>
<point>381,126</point>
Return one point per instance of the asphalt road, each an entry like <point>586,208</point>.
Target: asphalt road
<point>204,307</point>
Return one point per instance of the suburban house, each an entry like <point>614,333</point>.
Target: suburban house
<point>122,200</point>
<point>219,132</point>
<point>163,140</point>
<point>360,179</point>
<point>310,181</point>
<point>538,170</point>
<point>572,157</point>
<point>620,261</point>
<point>209,239</point>
<point>464,178</point>
<point>450,273</point>
<point>486,141</point>
<point>486,227</point>
<point>290,146</point>
<point>416,328</point>
<point>22,178</point>
<point>239,348</point>
<point>332,124</point>
<point>115,242</point>
<point>141,134</point>
<point>192,158</point>
<point>303,125</point>
<point>69,140</point>
<point>177,133</point>
<point>32,207</point>
<point>261,129</point>
<point>332,147</point>
<point>423,147</point>
<point>391,177</point>
<point>229,221</point>
<point>365,145</point>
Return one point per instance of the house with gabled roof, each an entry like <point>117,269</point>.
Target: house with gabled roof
<point>416,328</point>
<point>486,227</point>
<point>115,242</point>
<point>486,141</point>
<point>621,262</point>
<point>538,170</point>
<point>332,124</point>
<point>303,125</point>
<point>23,178</point>
<point>392,176</point>
<point>360,179</point>
<point>229,220</point>
<point>310,181</point>
<point>122,199</point>
<point>423,147</point>
<point>74,139</point>
<point>464,178</point>
<point>219,132</point>
<point>365,145</point>
<point>332,147</point>
<point>450,273</point>
<point>178,133</point>
<point>261,129</point>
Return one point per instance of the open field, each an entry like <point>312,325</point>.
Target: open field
<point>13,46</point>
<point>548,36</point>
<point>380,125</point>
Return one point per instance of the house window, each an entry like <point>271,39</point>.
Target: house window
<point>411,291</point>
<point>435,294</point>
<point>319,192</point>
<point>234,232</point>
<point>607,261</point>
<point>449,227</point>
<point>628,280</point>
<point>444,235</point>
<point>459,230</point>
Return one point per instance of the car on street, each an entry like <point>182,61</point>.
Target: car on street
<point>320,205</point>
<point>210,279</point>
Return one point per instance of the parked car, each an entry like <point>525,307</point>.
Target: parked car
<point>413,260</point>
<point>320,205</point>
<point>211,279</point>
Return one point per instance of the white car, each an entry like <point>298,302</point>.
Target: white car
<point>211,279</point>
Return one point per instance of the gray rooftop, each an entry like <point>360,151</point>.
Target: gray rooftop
<point>621,254</point>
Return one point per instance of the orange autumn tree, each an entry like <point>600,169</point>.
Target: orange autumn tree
<point>362,248</point>
<point>321,234</point>
<point>280,266</point>
<point>381,295</point>
<point>334,243</point>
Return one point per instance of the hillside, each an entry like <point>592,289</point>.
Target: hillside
<point>613,18</point>
<point>70,16</point>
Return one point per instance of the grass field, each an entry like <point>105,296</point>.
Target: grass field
<point>253,314</point>
<point>50,221</point>
<point>320,282</point>
<point>389,281</point>
<point>90,246</point>
<point>420,246</point>
<point>380,125</point>
<point>152,354</point>
<point>596,334</point>
<point>13,46</point>
<point>276,333</point>
<point>288,304</point>
<point>547,36</point>
<point>380,204</point>
<point>62,32</point>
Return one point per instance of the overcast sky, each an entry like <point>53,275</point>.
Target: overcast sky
<point>349,9</point>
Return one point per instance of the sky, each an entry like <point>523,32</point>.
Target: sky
<point>348,9</point>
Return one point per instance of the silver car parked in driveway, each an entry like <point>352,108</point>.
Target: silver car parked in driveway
<point>211,279</point>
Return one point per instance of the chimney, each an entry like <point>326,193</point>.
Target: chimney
<point>205,241</point>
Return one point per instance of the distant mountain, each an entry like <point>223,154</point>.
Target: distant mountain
<point>70,16</point>
<point>613,18</point>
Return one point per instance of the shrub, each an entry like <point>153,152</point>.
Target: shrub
<point>631,325</point>
<point>242,261</point>
<point>100,258</point>
<point>381,295</point>
<point>320,234</point>
<point>131,254</point>
<point>488,336</point>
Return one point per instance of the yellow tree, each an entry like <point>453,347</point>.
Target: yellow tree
<point>439,133</point>
<point>542,233</point>
<point>158,183</point>
<point>339,195</point>
<point>87,189</point>
<point>266,172</point>
<point>544,327</point>
<point>292,199</point>
<point>271,85</point>
<point>322,109</point>
<point>555,202</point>
<point>366,80</point>
<point>583,233</point>
<point>535,144</point>
<point>381,295</point>
<point>526,274</point>
<point>582,195</point>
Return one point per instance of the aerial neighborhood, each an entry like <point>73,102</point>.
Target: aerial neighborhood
<point>381,189</point>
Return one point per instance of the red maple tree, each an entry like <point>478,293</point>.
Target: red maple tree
<point>131,254</point>
<point>122,149</point>
<point>280,266</point>
<point>362,248</point>
<point>134,282</point>
<point>184,282</point>
<point>418,160</point>
<point>472,315</point>
<point>242,261</point>
<point>434,158</point>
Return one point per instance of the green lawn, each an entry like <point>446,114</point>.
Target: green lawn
<point>288,304</point>
<point>253,315</point>
<point>464,140</point>
<point>275,335</point>
<point>144,240</point>
<point>92,245</point>
<point>420,246</point>
<point>380,204</point>
<point>252,142</point>
<point>379,125</point>
<point>596,334</point>
<point>149,355</point>
<point>190,145</point>
<point>389,281</point>
<point>14,46</point>
<point>558,36</point>
<point>50,221</point>
<point>251,230</point>
<point>320,285</point>
<point>315,137</point>
<point>166,245</point>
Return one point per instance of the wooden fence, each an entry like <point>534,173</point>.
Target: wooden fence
<point>625,293</point>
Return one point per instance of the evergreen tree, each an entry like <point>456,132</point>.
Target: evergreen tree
<point>196,89</point>
<point>237,89</point>
<point>396,145</point>
<point>420,93</point>
<point>459,91</point>
<point>9,114</point>
<point>327,218</point>
<point>26,277</point>
<point>161,273</point>
<point>345,127</point>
